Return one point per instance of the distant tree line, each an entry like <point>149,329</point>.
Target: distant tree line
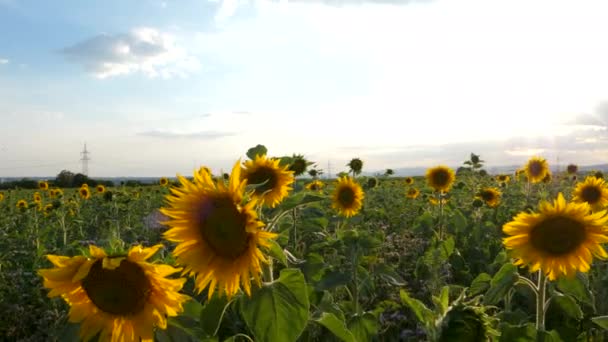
<point>65,179</point>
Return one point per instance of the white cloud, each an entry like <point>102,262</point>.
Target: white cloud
<point>4,61</point>
<point>146,50</point>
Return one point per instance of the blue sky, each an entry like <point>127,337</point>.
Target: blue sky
<point>159,87</point>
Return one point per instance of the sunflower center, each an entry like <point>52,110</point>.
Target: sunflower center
<point>122,291</point>
<point>346,196</point>
<point>264,175</point>
<point>558,235</point>
<point>535,168</point>
<point>591,194</point>
<point>441,178</point>
<point>223,227</point>
<point>487,195</point>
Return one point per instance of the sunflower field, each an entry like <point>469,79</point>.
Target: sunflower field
<point>275,251</point>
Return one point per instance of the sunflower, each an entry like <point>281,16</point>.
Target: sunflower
<point>274,180</point>
<point>218,234</point>
<point>52,193</point>
<point>440,178</point>
<point>572,169</point>
<point>409,180</point>
<point>120,297</point>
<point>58,192</point>
<point>536,169</point>
<point>413,193</point>
<point>43,185</point>
<point>548,177</point>
<point>490,195</point>
<point>47,209</point>
<point>348,197</point>
<point>1,196</point>
<point>37,197</point>
<point>298,164</point>
<point>355,165</point>
<point>435,201</point>
<point>85,193</point>
<point>593,191</point>
<point>22,204</point>
<point>503,178</point>
<point>163,181</point>
<point>84,185</point>
<point>100,189</point>
<point>315,185</point>
<point>560,239</point>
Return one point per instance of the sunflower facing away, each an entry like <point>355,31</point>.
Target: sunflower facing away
<point>572,169</point>
<point>560,239</point>
<point>440,178</point>
<point>43,185</point>
<point>120,297</point>
<point>163,181</point>
<point>413,193</point>
<point>315,185</point>
<point>593,191</point>
<point>409,180</point>
<point>347,197</point>
<point>84,193</point>
<point>274,179</point>
<point>536,169</point>
<point>100,189</point>
<point>490,195</point>
<point>503,178</point>
<point>218,237</point>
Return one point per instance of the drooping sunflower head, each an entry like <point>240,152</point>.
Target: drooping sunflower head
<point>84,193</point>
<point>593,191</point>
<point>298,164</point>
<point>503,178</point>
<point>491,196</point>
<point>100,189</point>
<point>599,174</point>
<point>120,297</point>
<point>536,169</point>
<point>43,185</point>
<point>22,204</point>
<point>273,180</point>
<point>217,231</point>
<point>347,197</point>
<point>355,165</point>
<point>560,239</point>
<point>409,180</point>
<point>413,193</point>
<point>163,181</point>
<point>315,185</point>
<point>440,178</point>
<point>37,197</point>
<point>372,182</point>
<point>572,169</point>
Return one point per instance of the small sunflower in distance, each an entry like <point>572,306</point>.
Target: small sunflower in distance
<point>1,196</point>
<point>218,234</point>
<point>355,165</point>
<point>560,239</point>
<point>503,178</point>
<point>298,165</point>
<point>163,181</point>
<point>100,189</point>
<point>84,185</point>
<point>347,197</point>
<point>274,180</point>
<point>315,185</point>
<point>491,196</point>
<point>120,297</point>
<point>440,178</point>
<point>37,197</point>
<point>409,180</point>
<point>413,193</point>
<point>593,191</point>
<point>22,204</point>
<point>84,193</point>
<point>536,169</point>
<point>43,185</point>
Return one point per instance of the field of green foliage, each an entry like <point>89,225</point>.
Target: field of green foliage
<point>417,267</point>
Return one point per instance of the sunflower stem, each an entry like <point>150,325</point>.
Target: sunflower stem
<point>440,217</point>
<point>540,301</point>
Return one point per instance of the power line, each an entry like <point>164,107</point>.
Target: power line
<point>85,160</point>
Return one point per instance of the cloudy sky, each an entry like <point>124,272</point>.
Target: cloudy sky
<point>158,87</point>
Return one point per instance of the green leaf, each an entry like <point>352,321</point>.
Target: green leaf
<point>276,252</point>
<point>336,326</point>
<point>70,332</point>
<point>278,311</point>
<point>601,321</point>
<point>212,313</point>
<point>447,248</point>
<point>387,273</point>
<point>257,150</point>
<point>480,284</point>
<point>459,222</point>
<point>548,336</point>
<point>568,305</point>
<point>192,309</point>
<point>363,327</point>
<point>424,314</point>
<point>299,200</point>
<point>443,301</point>
<point>576,286</point>
<point>331,280</point>
<point>517,333</point>
<point>501,283</point>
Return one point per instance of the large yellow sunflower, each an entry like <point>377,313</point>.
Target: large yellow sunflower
<point>274,179</point>
<point>347,197</point>
<point>536,169</point>
<point>593,191</point>
<point>490,195</point>
<point>120,297</point>
<point>218,235</point>
<point>440,178</point>
<point>560,239</point>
